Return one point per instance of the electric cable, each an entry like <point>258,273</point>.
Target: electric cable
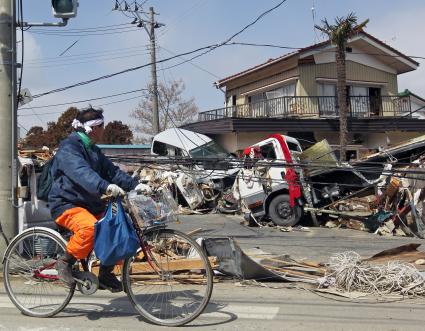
<point>85,29</point>
<point>96,60</point>
<point>86,100</point>
<point>205,49</point>
<point>133,29</point>
<point>91,54</point>
<point>21,14</point>
<point>193,64</point>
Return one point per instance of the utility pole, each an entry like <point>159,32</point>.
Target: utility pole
<point>155,109</point>
<point>149,25</point>
<point>8,110</point>
<point>8,123</point>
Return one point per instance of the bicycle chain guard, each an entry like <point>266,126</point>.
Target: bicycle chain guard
<point>91,283</point>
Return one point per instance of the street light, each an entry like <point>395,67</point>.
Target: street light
<point>64,8</point>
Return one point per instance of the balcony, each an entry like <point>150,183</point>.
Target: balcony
<point>315,107</point>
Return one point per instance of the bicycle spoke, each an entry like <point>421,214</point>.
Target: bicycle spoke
<point>161,287</point>
<point>28,269</point>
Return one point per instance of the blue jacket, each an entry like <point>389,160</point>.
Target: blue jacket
<point>81,176</point>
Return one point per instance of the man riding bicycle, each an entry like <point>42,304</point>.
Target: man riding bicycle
<point>81,175</point>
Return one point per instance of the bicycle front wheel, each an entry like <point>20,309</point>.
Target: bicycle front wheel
<point>170,280</point>
<point>30,276</point>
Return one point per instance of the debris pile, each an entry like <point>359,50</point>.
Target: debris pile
<point>396,271</point>
<point>348,272</point>
<point>394,208</point>
<point>193,193</point>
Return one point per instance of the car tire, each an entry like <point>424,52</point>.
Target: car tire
<point>281,213</point>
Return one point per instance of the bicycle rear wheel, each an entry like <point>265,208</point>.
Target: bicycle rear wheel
<point>30,276</point>
<point>170,281</point>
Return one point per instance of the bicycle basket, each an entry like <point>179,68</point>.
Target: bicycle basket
<point>157,208</point>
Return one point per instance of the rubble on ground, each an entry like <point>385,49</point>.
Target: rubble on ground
<point>193,193</point>
<point>368,195</point>
<point>397,271</point>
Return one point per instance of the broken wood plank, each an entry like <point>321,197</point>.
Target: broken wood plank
<point>191,233</point>
<point>156,276</point>
<point>174,265</point>
<point>291,272</point>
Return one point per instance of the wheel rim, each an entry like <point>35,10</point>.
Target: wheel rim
<point>30,274</point>
<point>173,295</point>
<point>284,210</point>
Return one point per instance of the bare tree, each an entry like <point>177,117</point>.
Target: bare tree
<point>173,109</point>
<point>339,33</point>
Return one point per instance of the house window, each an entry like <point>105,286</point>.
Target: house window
<point>256,98</point>
<point>231,100</point>
<point>365,101</point>
<point>280,99</point>
<point>358,101</point>
<point>327,100</point>
<point>284,91</point>
<point>257,105</point>
<point>327,90</point>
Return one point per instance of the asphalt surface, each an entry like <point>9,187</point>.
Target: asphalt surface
<point>236,306</point>
<point>314,244</point>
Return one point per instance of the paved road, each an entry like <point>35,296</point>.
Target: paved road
<point>317,244</point>
<point>249,308</point>
<point>231,308</point>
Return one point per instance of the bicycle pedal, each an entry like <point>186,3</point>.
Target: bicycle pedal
<point>87,283</point>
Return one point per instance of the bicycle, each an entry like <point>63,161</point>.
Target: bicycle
<point>168,282</point>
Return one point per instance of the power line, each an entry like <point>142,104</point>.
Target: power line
<point>117,73</point>
<point>193,64</point>
<point>205,50</point>
<point>91,54</point>
<point>119,101</point>
<point>97,59</point>
<point>125,30</point>
<point>232,36</point>
<point>86,100</point>
<point>84,29</point>
<point>26,130</point>
<point>330,51</point>
<point>101,105</point>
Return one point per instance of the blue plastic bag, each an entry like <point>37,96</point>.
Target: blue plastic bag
<point>115,238</point>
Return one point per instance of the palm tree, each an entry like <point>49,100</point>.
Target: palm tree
<point>339,33</point>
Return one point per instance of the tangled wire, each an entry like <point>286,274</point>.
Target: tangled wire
<point>346,271</point>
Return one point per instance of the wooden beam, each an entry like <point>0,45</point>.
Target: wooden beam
<point>174,265</point>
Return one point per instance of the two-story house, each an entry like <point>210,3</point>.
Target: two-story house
<point>295,94</point>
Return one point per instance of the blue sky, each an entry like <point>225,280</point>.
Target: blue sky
<point>191,24</point>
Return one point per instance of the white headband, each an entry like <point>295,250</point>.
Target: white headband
<point>86,125</point>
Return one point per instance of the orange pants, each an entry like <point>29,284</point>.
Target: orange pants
<point>81,223</point>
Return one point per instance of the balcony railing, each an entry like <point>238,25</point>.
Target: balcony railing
<point>315,107</point>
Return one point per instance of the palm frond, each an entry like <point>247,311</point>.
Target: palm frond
<point>343,29</point>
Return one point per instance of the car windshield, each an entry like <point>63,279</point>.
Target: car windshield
<point>210,149</point>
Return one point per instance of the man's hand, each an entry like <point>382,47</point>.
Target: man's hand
<point>114,190</point>
<point>143,188</point>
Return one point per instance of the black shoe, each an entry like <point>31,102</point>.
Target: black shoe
<point>107,279</point>
<point>64,268</point>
